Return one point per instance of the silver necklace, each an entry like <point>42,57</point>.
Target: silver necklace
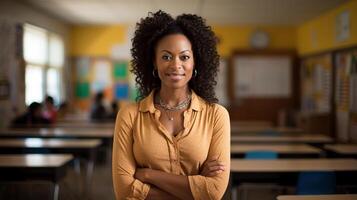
<point>183,104</point>
<point>179,106</point>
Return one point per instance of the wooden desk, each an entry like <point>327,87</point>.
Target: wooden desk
<point>50,143</point>
<point>264,130</point>
<point>80,148</point>
<point>299,138</point>
<point>284,150</point>
<point>71,124</point>
<point>85,124</point>
<point>349,150</point>
<point>93,133</point>
<point>293,165</point>
<point>106,135</point>
<point>319,197</point>
<point>252,123</point>
<point>36,167</point>
<point>285,171</point>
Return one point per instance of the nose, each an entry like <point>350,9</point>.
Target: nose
<point>176,63</point>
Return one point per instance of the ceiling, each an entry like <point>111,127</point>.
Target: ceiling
<point>260,12</point>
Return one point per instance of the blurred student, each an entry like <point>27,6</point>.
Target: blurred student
<point>49,110</point>
<point>114,111</point>
<point>32,116</point>
<point>98,111</point>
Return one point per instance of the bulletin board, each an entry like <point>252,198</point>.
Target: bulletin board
<point>346,94</point>
<point>316,84</point>
<point>100,74</point>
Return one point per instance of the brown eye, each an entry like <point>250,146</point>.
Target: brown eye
<point>185,57</point>
<point>166,57</point>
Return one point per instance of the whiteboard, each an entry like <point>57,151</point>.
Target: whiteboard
<point>262,76</point>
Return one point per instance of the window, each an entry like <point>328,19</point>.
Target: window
<point>44,57</point>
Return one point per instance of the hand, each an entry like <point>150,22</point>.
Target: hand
<point>142,174</point>
<point>212,167</point>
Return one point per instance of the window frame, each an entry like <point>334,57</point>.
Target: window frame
<point>46,66</point>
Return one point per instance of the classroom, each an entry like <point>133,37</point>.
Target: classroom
<point>191,99</point>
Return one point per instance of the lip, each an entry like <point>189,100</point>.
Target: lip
<point>175,76</point>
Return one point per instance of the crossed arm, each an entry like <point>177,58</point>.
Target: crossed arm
<point>176,186</point>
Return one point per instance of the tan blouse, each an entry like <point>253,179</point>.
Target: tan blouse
<point>141,141</point>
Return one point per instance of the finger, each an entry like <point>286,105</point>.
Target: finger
<point>206,167</point>
<point>215,163</point>
<point>216,168</point>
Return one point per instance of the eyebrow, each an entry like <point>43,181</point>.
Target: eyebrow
<point>180,52</point>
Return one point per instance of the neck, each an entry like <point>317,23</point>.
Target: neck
<point>172,97</point>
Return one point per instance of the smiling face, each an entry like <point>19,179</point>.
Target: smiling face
<point>174,61</point>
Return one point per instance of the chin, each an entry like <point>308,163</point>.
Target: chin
<point>177,85</point>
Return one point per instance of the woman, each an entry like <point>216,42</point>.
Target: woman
<point>175,142</point>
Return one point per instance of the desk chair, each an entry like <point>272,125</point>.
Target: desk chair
<point>256,188</point>
<point>262,155</point>
<point>316,182</point>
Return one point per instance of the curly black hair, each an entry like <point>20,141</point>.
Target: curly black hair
<point>203,40</point>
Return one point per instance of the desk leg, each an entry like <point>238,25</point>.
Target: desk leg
<point>56,192</point>
<point>90,169</point>
<point>234,193</point>
<point>77,165</point>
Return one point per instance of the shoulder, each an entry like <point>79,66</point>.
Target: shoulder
<point>219,108</point>
<point>215,108</point>
<point>218,113</point>
<point>128,112</point>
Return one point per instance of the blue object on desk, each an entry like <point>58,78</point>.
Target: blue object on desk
<point>266,155</point>
<point>316,182</point>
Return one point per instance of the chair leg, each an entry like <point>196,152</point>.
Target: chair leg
<point>56,192</point>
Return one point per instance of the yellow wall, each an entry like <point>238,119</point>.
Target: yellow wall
<point>319,35</point>
<point>312,36</point>
<point>238,37</point>
<point>96,40</point>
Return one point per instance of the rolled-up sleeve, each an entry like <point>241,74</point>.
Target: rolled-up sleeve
<point>123,162</point>
<point>214,187</point>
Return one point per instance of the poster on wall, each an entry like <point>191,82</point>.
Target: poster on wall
<point>82,90</point>
<point>120,70</point>
<point>343,26</point>
<point>105,75</point>
<point>121,91</point>
<point>345,95</point>
<point>343,66</point>
<point>316,81</point>
<point>102,77</point>
<point>82,69</point>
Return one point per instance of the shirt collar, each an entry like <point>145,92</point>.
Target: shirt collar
<point>147,104</point>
